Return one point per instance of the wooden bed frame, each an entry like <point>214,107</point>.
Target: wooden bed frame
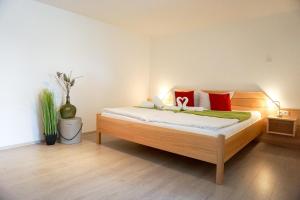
<point>216,150</point>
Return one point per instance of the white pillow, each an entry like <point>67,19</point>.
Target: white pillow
<point>158,102</point>
<point>147,104</point>
<point>204,98</point>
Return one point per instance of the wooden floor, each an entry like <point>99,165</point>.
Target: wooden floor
<point>122,170</point>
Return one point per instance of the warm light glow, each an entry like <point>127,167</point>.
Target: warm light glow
<point>264,180</point>
<point>168,100</point>
<point>165,94</point>
<point>163,91</point>
<point>270,104</point>
<point>273,94</point>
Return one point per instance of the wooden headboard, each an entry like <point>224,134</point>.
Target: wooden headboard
<point>249,100</point>
<point>244,100</point>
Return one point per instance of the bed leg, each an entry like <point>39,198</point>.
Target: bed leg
<point>98,137</point>
<point>220,159</point>
<point>98,132</point>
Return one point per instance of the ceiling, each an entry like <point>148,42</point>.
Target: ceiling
<point>161,17</point>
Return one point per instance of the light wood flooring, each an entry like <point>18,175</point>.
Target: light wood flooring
<point>120,170</point>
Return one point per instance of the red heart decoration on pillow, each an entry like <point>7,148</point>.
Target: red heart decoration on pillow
<point>188,94</point>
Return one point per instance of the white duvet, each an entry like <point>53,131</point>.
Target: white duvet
<point>172,118</point>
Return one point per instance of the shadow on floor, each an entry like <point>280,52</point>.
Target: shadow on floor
<point>173,161</point>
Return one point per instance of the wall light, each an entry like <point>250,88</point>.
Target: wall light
<point>165,94</point>
<point>272,102</point>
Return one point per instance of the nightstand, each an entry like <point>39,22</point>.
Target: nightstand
<point>284,125</point>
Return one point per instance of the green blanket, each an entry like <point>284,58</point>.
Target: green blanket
<point>241,116</point>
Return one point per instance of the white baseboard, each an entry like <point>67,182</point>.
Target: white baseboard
<point>31,143</point>
<point>20,145</point>
<point>89,132</point>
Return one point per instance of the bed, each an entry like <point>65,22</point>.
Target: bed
<point>213,148</point>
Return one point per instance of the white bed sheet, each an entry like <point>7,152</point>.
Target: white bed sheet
<point>172,118</point>
<point>227,131</point>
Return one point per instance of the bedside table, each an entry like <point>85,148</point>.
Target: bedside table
<point>284,125</point>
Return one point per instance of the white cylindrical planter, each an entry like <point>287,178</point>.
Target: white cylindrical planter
<point>70,130</point>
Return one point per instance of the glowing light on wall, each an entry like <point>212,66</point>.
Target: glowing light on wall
<point>270,104</point>
<point>163,91</point>
<point>273,102</point>
<point>165,94</point>
<point>273,94</point>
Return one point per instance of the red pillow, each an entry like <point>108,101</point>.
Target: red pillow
<point>220,102</point>
<point>189,95</point>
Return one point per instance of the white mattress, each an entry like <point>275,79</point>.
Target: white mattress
<point>227,131</point>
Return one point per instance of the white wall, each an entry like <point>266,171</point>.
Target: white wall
<point>262,53</point>
<point>37,40</point>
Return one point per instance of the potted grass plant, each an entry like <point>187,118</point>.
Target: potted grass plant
<point>49,116</point>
